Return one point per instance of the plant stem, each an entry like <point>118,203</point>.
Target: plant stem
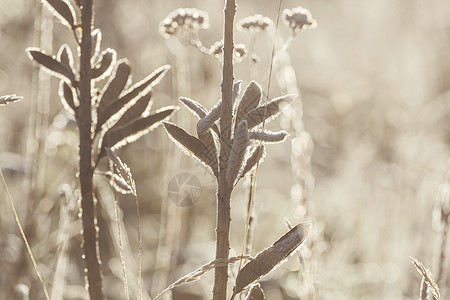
<point>224,190</point>
<point>90,238</point>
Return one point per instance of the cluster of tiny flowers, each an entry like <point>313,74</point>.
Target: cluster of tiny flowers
<point>188,19</point>
<point>217,48</point>
<point>255,23</point>
<point>299,18</point>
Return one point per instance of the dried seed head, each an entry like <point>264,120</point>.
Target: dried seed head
<point>255,23</point>
<point>216,50</point>
<point>187,19</point>
<point>299,18</point>
<point>240,51</point>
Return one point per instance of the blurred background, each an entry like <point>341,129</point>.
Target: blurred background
<point>374,78</point>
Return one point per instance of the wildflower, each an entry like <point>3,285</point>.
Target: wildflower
<point>254,23</point>
<point>186,19</point>
<point>299,18</point>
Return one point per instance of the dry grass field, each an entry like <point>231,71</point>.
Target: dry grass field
<point>366,161</point>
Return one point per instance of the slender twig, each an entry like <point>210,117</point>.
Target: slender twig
<point>90,237</point>
<point>24,237</point>
<point>224,190</point>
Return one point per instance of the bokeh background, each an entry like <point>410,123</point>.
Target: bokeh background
<point>374,78</point>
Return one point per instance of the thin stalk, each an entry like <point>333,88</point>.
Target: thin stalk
<point>224,189</point>
<point>24,237</point>
<point>122,255</point>
<point>250,205</point>
<point>90,237</point>
<point>139,247</point>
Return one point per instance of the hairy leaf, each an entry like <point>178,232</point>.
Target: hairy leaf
<point>268,136</point>
<point>208,121</point>
<point>118,107</point>
<point>268,259</point>
<point>238,150</point>
<point>197,109</point>
<point>254,158</point>
<point>53,66</point>
<point>262,113</point>
<point>135,111</point>
<point>191,145</point>
<point>249,101</point>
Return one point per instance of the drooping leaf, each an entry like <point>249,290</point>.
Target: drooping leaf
<point>254,158</point>
<point>249,101</point>
<point>236,91</point>
<point>115,86</point>
<point>118,107</point>
<point>271,257</point>
<point>53,66</point>
<point>118,137</point>
<point>262,113</point>
<point>104,66</point>
<point>63,10</point>
<point>191,145</point>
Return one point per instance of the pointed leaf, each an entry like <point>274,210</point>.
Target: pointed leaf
<point>268,259</point>
<point>249,101</point>
<point>118,137</point>
<point>192,145</point>
<point>141,88</point>
<point>115,86</point>
<point>135,111</point>
<point>104,66</point>
<point>260,114</point>
<point>96,42</point>
<point>53,66</point>
<point>67,95</point>
<point>208,138</point>
<point>63,11</point>
<point>65,57</point>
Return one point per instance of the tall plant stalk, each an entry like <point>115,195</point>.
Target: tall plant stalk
<point>90,237</point>
<point>225,189</point>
